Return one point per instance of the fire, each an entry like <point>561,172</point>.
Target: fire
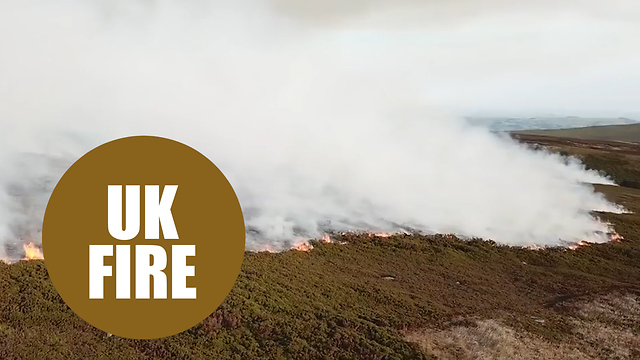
<point>268,248</point>
<point>578,244</point>
<point>615,237</point>
<point>326,239</point>
<point>306,247</point>
<point>32,251</point>
<point>382,235</point>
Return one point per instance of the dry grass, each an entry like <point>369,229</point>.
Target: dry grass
<point>609,308</point>
<point>490,339</point>
<point>609,326</point>
<point>604,328</point>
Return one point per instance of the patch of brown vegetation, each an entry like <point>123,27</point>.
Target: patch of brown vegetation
<point>609,325</point>
<point>490,339</point>
<point>606,327</point>
<point>576,144</point>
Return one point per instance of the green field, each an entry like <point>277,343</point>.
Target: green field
<point>403,297</point>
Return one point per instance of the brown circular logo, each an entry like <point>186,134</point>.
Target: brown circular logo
<point>143,237</point>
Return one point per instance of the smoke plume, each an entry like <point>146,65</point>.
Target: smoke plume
<point>314,133</point>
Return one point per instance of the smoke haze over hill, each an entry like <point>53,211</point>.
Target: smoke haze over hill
<point>314,132</point>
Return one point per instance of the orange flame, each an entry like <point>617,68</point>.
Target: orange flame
<point>615,237</point>
<point>32,252</point>
<point>303,247</point>
<point>578,244</point>
<point>326,239</point>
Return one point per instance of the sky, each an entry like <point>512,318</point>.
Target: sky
<point>517,58</point>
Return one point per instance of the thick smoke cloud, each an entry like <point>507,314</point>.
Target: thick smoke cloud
<point>428,14</point>
<point>313,134</point>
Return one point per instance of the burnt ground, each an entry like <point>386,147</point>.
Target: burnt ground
<point>402,297</point>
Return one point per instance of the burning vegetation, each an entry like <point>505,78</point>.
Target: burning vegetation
<point>404,295</point>
<point>327,238</point>
<point>32,251</point>
<point>338,238</point>
<point>28,251</point>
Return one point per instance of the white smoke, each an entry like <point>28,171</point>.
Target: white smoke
<point>313,134</point>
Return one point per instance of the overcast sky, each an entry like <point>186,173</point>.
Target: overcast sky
<point>500,57</point>
<point>496,57</point>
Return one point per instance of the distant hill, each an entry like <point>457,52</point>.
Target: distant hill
<point>544,123</point>
<point>624,133</point>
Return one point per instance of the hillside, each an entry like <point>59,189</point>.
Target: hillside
<point>544,122</point>
<point>623,133</point>
<point>402,297</point>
